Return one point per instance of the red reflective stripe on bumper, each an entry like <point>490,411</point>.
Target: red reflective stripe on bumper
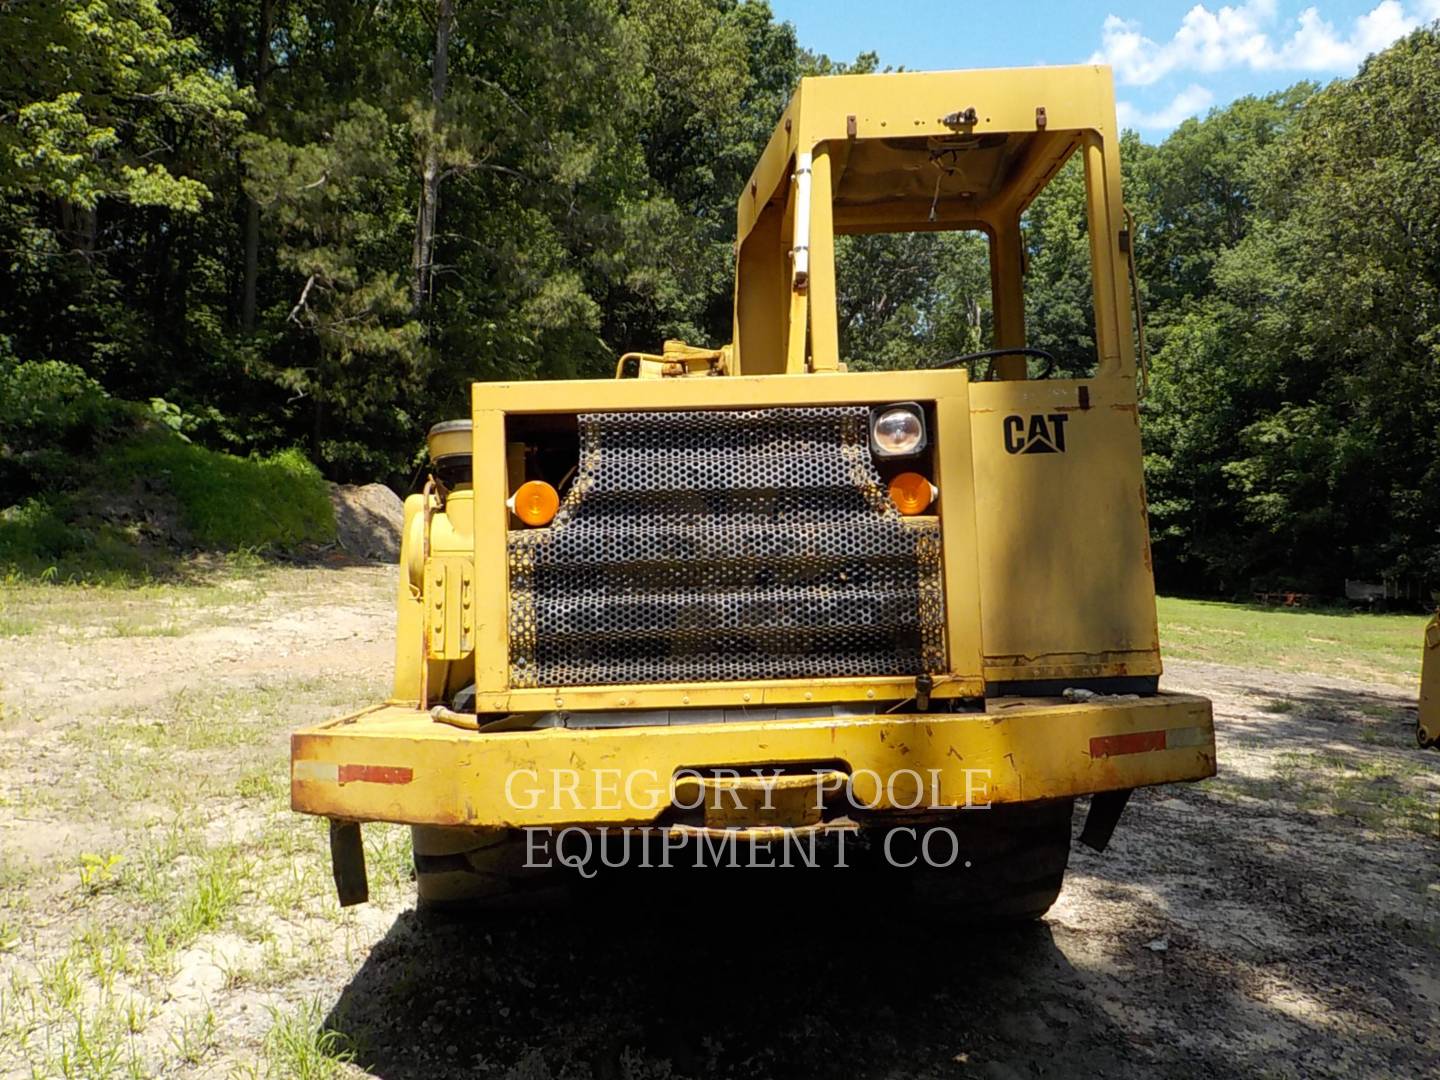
<point>375,774</point>
<point>1136,742</point>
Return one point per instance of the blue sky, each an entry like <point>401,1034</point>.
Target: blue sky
<point>1172,59</point>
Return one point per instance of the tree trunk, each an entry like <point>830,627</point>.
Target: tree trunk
<point>264,32</point>
<point>430,165</point>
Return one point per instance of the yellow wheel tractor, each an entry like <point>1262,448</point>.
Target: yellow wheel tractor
<point>739,606</point>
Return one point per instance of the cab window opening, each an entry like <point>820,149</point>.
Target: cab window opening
<point>916,299</point>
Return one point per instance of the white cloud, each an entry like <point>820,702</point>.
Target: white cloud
<point>1189,102</point>
<point>1316,46</point>
<point>1240,36</point>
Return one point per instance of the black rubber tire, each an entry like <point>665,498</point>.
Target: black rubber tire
<point>1011,865</point>
<point>458,869</point>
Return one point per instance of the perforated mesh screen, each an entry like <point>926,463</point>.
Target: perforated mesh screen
<point>724,545</point>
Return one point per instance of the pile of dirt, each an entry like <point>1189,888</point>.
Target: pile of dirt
<point>368,520</point>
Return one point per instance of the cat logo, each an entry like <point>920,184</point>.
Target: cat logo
<point>1036,435</point>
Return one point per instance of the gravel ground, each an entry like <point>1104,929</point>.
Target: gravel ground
<point>161,912</point>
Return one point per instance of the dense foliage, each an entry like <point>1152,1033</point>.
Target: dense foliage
<point>311,222</point>
<point>1294,432</point>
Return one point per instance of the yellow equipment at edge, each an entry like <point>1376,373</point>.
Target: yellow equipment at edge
<point>1041,670</point>
<point>1427,728</point>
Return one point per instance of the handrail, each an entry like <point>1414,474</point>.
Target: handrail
<point>1144,356</point>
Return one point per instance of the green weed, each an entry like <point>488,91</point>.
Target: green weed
<point>1380,794</point>
<point>97,871</point>
<point>106,953</point>
<point>213,889</point>
<point>128,628</point>
<point>297,1047</point>
<point>266,783</point>
<point>59,985</point>
<point>13,625</point>
<point>388,856</point>
<point>195,1038</point>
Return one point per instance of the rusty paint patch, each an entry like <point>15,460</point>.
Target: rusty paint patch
<point>1135,742</point>
<point>375,774</point>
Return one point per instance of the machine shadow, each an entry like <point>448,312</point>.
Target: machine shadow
<point>762,978</point>
<point>828,974</point>
<point>1317,713</point>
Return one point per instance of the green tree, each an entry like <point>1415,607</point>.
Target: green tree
<point>1292,435</point>
<point>908,300</point>
<point>1338,473</point>
<point>90,112</point>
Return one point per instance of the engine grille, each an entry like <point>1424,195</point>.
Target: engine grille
<point>724,545</point>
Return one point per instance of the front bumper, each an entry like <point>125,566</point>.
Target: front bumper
<point>394,763</point>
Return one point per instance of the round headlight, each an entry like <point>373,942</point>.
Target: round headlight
<point>897,432</point>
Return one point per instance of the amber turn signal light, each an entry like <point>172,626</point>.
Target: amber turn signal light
<point>912,493</point>
<point>535,502</point>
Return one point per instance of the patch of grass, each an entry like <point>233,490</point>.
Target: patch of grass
<point>15,625</point>
<point>212,891</point>
<point>60,985</point>
<point>278,966</point>
<point>60,1026</point>
<point>298,1047</point>
<point>388,857</point>
<point>186,746</point>
<point>147,874</point>
<point>265,784</point>
<point>151,495</point>
<point>1355,644</point>
<point>130,628</point>
<point>200,596</point>
<point>197,719</point>
<point>295,882</point>
<point>13,876</point>
<point>230,502</point>
<point>106,953</point>
<point>195,1038</point>
<point>1383,794</point>
<point>45,540</point>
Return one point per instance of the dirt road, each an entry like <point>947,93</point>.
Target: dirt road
<point>161,912</point>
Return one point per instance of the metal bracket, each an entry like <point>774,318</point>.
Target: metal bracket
<point>800,250</point>
<point>923,685</point>
<point>1127,248</point>
<point>1104,815</point>
<point>347,860</point>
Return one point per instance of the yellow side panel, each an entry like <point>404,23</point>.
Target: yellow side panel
<point>1066,589</point>
<point>1428,732</point>
<point>762,298</point>
<point>450,607</point>
<point>409,607</point>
